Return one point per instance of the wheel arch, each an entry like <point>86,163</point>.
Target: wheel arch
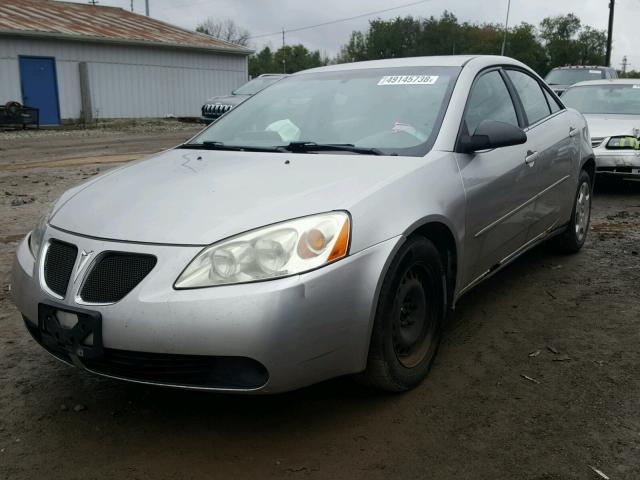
<point>589,165</point>
<point>441,234</point>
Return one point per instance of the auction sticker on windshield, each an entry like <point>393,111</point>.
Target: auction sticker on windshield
<point>408,80</point>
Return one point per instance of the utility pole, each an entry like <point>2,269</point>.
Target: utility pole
<point>132,5</point>
<point>625,64</point>
<point>284,56</point>
<point>146,7</point>
<point>607,61</point>
<point>506,28</point>
<point>93,2</point>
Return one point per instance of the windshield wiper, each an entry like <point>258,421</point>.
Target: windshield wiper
<point>335,147</point>
<point>211,145</point>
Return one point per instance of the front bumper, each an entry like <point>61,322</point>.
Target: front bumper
<point>619,163</point>
<point>302,329</point>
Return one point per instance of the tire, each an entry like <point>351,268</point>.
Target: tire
<point>408,322</point>
<point>12,107</point>
<point>575,235</point>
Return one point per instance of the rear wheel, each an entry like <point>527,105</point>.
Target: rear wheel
<point>574,237</point>
<point>409,317</point>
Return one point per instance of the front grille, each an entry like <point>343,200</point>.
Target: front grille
<point>186,370</point>
<point>215,110</point>
<point>58,265</point>
<point>114,275</point>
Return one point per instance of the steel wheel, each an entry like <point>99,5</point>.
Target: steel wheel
<point>413,323</point>
<point>412,306</point>
<point>583,210</point>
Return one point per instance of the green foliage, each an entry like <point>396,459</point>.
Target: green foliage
<point>560,40</point>
<point>629,74</point>
<point>523,45</point>
<point>296,58</point>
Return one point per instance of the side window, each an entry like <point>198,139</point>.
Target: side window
<point>489,100</point>
<point>531,96</point>
<point>555,107</point>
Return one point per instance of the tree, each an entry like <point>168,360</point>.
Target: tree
<point>559,40</point>
<point>592,45</point>
<point>523,45</point>
<point>296,58</point>
<point>558,34</point>
<point>226,30</point>
<point>355,50</point>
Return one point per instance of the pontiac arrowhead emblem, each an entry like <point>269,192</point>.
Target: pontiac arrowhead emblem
<point>84,260</point>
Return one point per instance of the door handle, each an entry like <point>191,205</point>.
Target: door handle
<point>573,132</point>
<point>531,158</point>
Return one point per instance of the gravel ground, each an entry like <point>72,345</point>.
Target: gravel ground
<point>21,147</point>
<point>538,377</point>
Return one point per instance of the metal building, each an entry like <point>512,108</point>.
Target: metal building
<point>76,61</point>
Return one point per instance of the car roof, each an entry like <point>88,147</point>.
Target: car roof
<point>433,61</point>
<point>614,81</point>
<point>582,67</point>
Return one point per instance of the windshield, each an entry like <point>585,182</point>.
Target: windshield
<point>611,98</point>
<point>254,86</point>
<point>571,76</point>
<point>395,111</point>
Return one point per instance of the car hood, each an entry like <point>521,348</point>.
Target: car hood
<point>559,88</point>
<point>607,125</point>
<point>228,100</point>
<point>196,197</point>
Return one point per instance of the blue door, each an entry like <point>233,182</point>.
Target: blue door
<point>40,87</point>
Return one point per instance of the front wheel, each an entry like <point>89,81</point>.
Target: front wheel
<point>409,317</point>
<point>574,237</point>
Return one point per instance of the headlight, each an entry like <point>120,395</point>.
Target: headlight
<point>279,250</point>
<point>37,234</point>
<point>623,143</point>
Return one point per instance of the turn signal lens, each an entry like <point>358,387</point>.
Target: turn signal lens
<point>342,243</point>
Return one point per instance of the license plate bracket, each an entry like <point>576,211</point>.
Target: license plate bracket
<point>83,340</point>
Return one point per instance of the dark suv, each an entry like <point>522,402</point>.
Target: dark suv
<point>561,78</point>
<point>217,106</point>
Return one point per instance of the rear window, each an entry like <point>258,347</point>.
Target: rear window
<point>623,99</point>
<point>574,75</point>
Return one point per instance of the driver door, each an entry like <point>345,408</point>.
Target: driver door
<point>500,185</point>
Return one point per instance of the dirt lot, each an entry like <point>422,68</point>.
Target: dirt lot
<point>569,324</point>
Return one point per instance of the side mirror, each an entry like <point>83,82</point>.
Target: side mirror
<point>492,134</point>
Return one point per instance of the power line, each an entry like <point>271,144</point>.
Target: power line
<point>339,20</point>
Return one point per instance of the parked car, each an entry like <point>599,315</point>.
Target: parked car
<point>324,227</point>
<point>561,78</point>
<point>612,110</point>
<point>218,106</point>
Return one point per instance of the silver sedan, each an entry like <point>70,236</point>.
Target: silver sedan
<point>612,110</point>
<point>324,227</point>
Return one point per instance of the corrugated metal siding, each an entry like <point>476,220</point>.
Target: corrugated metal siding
<point>9,79</point>
<point>126,81</point>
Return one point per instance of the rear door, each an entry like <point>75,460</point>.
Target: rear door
<point>499,185</point>
<point>552,150</point>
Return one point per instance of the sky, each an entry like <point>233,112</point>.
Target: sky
<point>267,16</point>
